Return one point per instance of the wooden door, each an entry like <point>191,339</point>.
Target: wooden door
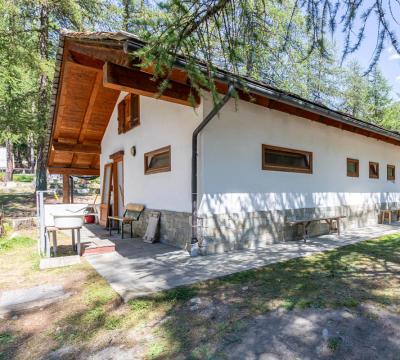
<point>106,194</point>
<point>118,183</point>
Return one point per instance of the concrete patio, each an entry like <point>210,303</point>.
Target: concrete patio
<point>137,268</point>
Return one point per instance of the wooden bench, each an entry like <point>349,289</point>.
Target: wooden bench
<point>387,214</point>
<point>306,222</point>
<point>132,213</point>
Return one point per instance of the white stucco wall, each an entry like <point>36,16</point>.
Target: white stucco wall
<point>232,178</point>
<point>162,124</point>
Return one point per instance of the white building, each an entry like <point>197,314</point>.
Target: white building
<point>261,162</point>
<point>3,158</point>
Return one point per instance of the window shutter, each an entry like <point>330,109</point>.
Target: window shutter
<point>135,112</point>
<point>121,117</point>
<point>131,111</point>
<point>127,112</point>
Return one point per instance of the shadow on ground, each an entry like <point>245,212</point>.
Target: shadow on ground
<point>344,303</point>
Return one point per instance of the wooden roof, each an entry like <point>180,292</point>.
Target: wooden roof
<point>82,112</point>
<point>88,81</point>
<point>92,69</point>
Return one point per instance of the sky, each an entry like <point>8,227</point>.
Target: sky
<point>389,62</point>
<point>390,66</point>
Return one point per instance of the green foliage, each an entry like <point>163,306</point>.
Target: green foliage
<point>6,337</point>
<point>138,305</point>
<point>28,40</point>
<point>274,41</point>
<point>99,293</point>
<point>391,117</point>
<point>334,343</point>
<point>271,41</point>
<point>23,178</point>
<point>17,242</point>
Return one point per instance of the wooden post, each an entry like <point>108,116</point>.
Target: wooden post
<point>71,189</point>
<point>66,197</point>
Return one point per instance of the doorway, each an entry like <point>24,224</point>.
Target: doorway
<point>118,183</point>
<point>112,198</point>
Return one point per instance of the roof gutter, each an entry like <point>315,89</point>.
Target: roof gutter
<point>254,87</point>
<point>193,248</point>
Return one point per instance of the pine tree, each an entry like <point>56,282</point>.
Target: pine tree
<point>355,91</point>
<point>378,96</point>
<point>37,23</point>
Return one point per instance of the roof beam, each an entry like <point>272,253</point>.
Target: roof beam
<point>90,107</point>
<point>81,66</point>
<point>77,148</point>
<point>137,82</point>
<point>73,171</point>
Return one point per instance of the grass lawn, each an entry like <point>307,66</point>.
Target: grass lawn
<point>169,325</point>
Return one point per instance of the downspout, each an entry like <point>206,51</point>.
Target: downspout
<point>193,249</point>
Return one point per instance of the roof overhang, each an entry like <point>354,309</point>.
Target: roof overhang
<point>92,69</point>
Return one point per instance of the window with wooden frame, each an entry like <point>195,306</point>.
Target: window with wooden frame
<point>157,160</point>
<point>391,172</point>
<point>128,113</point>
<point>373,170</point>
<point>282,159</point>
<point>353,167</point>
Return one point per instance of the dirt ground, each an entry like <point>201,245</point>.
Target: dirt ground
<point>366,332</point>
<point>343,304</point>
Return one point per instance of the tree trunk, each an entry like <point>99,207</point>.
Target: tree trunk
<point>41,176</point>
<point>31,155</point>
<point>10,161</point>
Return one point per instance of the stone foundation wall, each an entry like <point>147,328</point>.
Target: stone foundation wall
<point>174,227</point>
<point>228,232</point>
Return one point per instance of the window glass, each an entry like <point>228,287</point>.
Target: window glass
<point>352,167</point>
<point>282,159</point>
<point>158,160</point>
<point>373,170</point>
<point>391,172</point>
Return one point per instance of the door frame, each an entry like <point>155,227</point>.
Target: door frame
<point>116,158</point>
<point>105,206</point>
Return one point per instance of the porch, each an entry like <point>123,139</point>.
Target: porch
<point>136,268</point>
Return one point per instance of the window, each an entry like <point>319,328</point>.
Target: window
<point>158,160</point>
<point>373,170</point>
<point>391,172</point>
<point>282,159</point>
<point>352,167</point>
<point>128,113</point>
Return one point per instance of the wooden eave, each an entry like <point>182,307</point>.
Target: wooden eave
<point>91,77</point>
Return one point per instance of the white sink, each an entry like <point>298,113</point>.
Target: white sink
<point>68,220</point>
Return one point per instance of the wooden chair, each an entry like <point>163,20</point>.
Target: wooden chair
<point>132,213</point>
